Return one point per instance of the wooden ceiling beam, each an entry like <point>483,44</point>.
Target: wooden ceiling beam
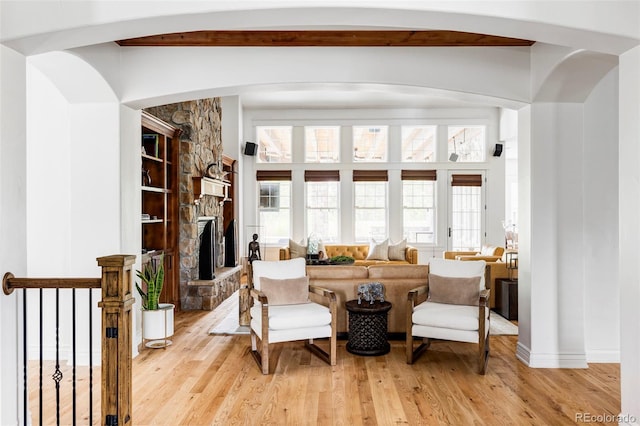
<point>325,38</point>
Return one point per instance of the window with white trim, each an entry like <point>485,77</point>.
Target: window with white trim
<point>274,144</point>
<point>419,205</point>
<point>370,143</point>
<point>466,144</point>
<point>467,212</point>
<point>274,206</point>
<point>323,205</point>
<point>419,144</point>
<point>322,144</point>
<point>370,205</point>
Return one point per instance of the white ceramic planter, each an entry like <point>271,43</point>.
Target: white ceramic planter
<point>157,325</point>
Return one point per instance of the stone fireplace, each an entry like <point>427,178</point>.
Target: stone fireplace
<point>200,149</point>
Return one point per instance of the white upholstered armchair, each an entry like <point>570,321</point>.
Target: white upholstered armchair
<point>287,308</point>
<point>453,306</point>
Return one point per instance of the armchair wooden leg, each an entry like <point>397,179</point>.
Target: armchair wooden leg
<point>484,356</point>
<point>414,354</point>
<point>330,357</point>
<point>408,347</point>
<point>260,356</point>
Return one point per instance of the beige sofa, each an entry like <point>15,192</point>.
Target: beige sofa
<point>398,280</point>
<point>359,252</point>
<point>486,253</point>
<point>496,269</point>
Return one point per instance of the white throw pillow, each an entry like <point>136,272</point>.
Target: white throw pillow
<point>297,250</point>
<point>378,251</point>
<point>397,251</point>
<point>487,251</point>
<point>458,268</point>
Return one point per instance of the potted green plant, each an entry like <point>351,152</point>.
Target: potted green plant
<point>157,318</point>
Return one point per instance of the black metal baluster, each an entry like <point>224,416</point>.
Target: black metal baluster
<point>41,358</point>
<point>57,375</point>
<point>73,350</point>
<point>90,360</point>
<point>24,356</point>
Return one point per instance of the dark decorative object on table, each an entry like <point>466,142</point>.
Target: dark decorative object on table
<point>254,249</point>
<point>371,292</point>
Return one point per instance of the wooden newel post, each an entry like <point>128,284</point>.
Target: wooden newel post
<point>117,300</point>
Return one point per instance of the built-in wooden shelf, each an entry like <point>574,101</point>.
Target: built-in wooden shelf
<point>152,221</point>
<point>154,189</point>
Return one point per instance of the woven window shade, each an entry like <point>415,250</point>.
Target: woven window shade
<point>273,175</point>
<point>321,175</point>
<point>370,176</point>
<point>418,175</point>
<point>466,180</point>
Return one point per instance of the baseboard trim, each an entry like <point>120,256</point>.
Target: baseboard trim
<point>523,353</point>
<point>550,360</point>
<point>603,357</point>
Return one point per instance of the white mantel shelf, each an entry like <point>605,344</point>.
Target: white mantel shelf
<point>207,186</point>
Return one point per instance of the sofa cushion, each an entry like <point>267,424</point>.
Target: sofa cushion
<point>378,251</point>
<point>297,250</point>
<point>454,290</point>
<point>288,291</point>
<point>337,272</point>
<point>397,251</point>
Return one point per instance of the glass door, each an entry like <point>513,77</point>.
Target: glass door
<point>466,218</point>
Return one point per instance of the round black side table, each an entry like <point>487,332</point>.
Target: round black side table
<point>368,328</point>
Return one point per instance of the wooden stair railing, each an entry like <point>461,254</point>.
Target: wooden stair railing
<point>117,301</point>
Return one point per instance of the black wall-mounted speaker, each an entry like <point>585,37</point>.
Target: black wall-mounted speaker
<point>497,152</point>
<point>250,148</point>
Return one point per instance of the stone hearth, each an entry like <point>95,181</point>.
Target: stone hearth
<point>208,294</point>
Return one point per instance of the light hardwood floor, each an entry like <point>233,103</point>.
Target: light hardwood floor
<point>213,380</point>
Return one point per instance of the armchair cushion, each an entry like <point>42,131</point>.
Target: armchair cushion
<point>378,251</point>
<point>288,291</point>
<point>286,317</point>
<point>460,317</point>
<point>454,290</point>
<point>447,322</point>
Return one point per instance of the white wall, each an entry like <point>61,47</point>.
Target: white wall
<point>131,203</point>
<point>73,203</point>
<point>568,193</point>
<point>600,182</point>
<point>13,228</point>
<point>556,241</point>
<point>629,233</point>
<point>493,166</point>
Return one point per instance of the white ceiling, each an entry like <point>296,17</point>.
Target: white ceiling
<point>332,96</point>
